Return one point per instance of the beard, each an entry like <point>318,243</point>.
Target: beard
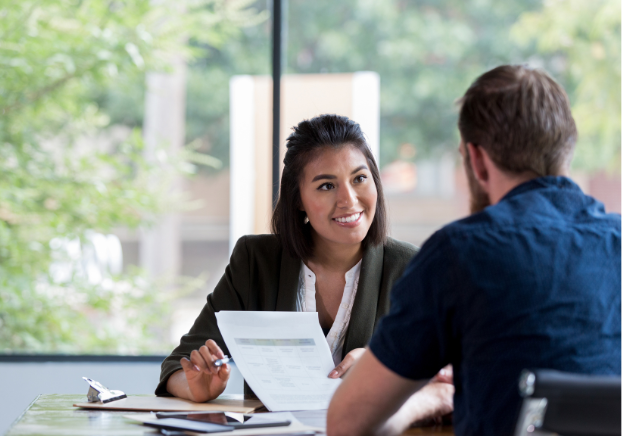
<point>479,200</point>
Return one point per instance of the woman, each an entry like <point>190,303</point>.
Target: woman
<point>329,253</point>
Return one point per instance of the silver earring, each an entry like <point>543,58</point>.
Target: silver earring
<point>306,220</point>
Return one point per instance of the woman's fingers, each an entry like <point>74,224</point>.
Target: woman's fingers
<point>204,380</point>
<point>202,360</point>
<point>341,369</point>
<point>224,372</point>
<point>188,366</point>
<point>212,352</point>
<point>214,349</point>
<point>199,361</point>
<point>209,359</point>
<point>346,363</point>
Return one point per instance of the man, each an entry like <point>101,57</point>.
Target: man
<point>530,280</point>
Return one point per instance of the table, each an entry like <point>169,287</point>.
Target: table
<point>54,415</point>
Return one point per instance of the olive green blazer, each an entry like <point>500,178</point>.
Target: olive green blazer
<point>263,276</point>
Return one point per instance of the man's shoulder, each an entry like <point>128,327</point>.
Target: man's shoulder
<point>435,255</point>
<point>539,214</point>
<point>505,236</point>
<point>479,222</point>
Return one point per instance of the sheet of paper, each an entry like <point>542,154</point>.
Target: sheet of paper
<point>283,356</point>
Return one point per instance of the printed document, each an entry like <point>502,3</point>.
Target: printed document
<point>283,356</point>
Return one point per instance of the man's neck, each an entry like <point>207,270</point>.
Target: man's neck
<point>502,183</point>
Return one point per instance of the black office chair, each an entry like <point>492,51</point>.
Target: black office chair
<point>568,404</point>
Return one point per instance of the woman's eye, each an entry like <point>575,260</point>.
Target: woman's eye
<point>326,186</point>
<point>360,179</point>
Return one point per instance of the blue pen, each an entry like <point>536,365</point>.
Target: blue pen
<point>220,362</point>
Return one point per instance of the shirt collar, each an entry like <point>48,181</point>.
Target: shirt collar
<point>559,182</point>
<point>350,275</point>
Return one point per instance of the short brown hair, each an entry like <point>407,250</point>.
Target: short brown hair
<point>522,118</point>
<point>309,138</point>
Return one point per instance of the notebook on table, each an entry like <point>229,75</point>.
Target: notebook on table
<point>149,403</point>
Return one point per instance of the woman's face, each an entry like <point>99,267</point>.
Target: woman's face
<point>339,195</point>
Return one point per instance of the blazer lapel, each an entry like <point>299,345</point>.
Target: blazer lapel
<point>288,283</point>
<point>363,316</point>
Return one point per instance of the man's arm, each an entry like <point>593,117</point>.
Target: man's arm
<point>373,400</point>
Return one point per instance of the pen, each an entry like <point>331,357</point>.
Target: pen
<point>221,362</point>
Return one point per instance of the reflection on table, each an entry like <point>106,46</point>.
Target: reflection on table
<point>54,415</point>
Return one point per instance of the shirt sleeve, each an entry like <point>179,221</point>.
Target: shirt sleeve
<point>414,338</point>
<point>229,294</point>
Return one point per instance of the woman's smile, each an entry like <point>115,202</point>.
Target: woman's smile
<point>351,220</point>
<point>339,195</point>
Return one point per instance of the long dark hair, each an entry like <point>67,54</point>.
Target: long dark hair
<point>309,138</point>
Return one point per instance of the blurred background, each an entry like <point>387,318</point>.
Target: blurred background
<point>135,135</point>
<point>135,148</point>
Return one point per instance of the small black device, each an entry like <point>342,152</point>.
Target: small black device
<point>229,419</point>
<point>187,425</point>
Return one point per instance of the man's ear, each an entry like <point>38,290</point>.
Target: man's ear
<point>478,163</point>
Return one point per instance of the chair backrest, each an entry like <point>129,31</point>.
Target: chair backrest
<point>569,404</point>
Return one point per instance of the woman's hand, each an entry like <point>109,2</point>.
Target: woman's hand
<point>346,363</point>
<point>200,380</point>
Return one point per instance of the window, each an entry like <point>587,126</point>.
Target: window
<point>120,126</point>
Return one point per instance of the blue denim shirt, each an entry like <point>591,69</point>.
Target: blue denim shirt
<point>531,282</point>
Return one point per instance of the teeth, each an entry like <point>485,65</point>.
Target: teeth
<point>348,219</point>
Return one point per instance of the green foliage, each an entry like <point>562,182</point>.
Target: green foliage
<point>427,53</point>
<point>207,112</point>
<point>59,184</point>
<point>69,69</point>
<point>582,39</point>
<point>46,195</point>
<point>207,89</point>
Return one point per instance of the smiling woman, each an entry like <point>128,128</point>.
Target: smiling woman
<point>329,253</point>
<point>329,175</point>
<point>341,204</point>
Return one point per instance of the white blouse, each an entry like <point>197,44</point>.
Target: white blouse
<point>305,302</point>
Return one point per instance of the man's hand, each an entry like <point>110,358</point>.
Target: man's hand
<point>346,363</point>
<point>433,401</point>
<point>200,380</point>
<point>445,375</point>
<point>374,400</point>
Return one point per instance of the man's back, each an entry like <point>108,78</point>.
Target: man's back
<point>531,282</point>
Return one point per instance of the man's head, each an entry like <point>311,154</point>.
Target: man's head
<point>520,119</point>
